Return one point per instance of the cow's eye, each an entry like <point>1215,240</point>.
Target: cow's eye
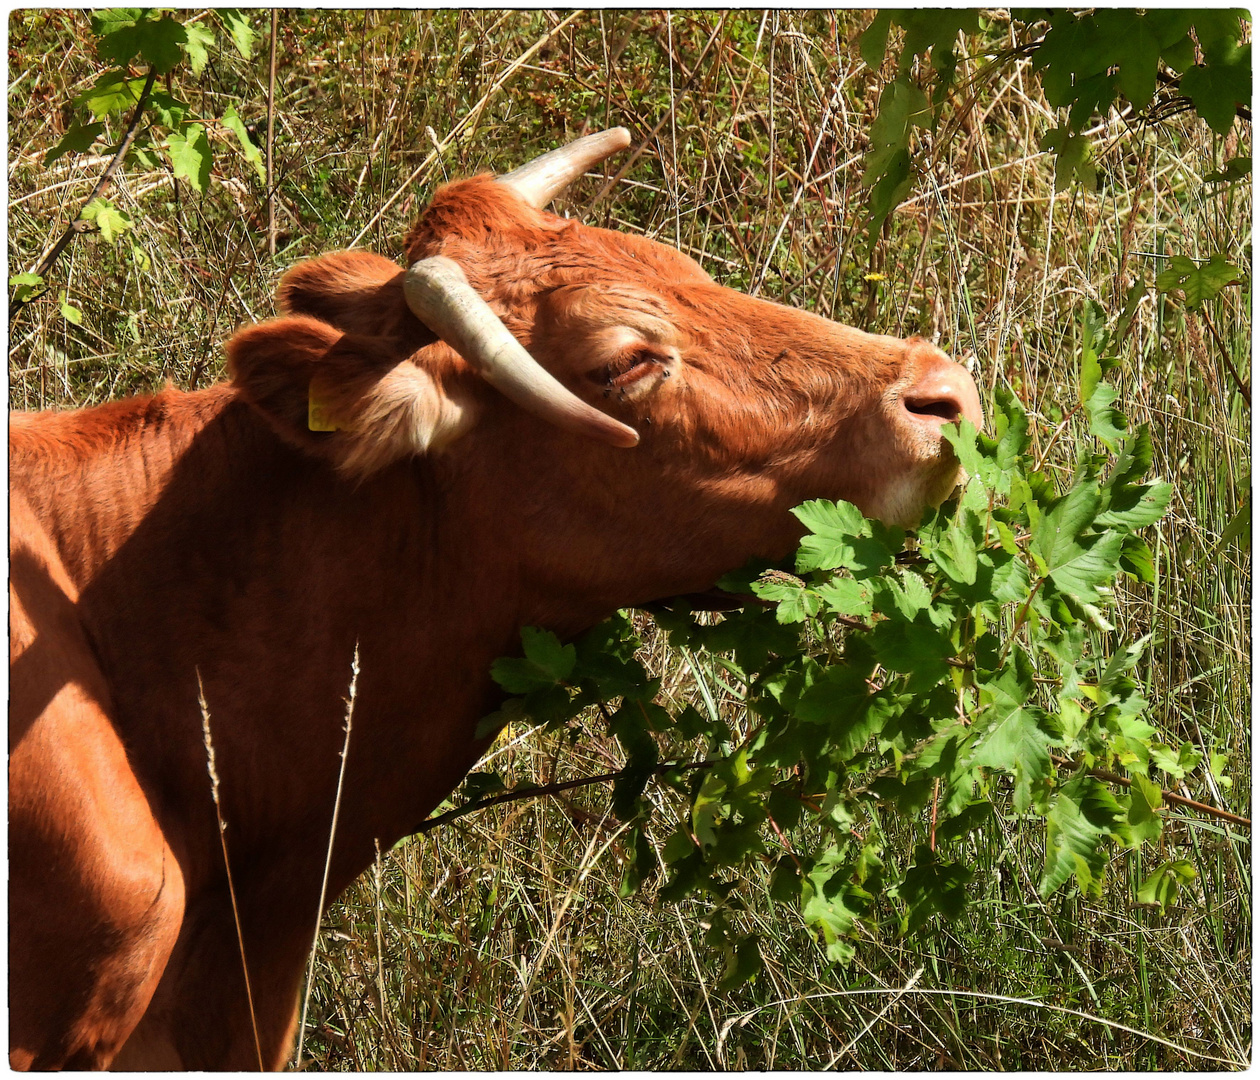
<point>631,365</point>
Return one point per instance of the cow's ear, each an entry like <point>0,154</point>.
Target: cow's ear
<point>357,292</point>
<point>344,397</point>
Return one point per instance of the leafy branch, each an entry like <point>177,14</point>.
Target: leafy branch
<point>1161,61</point>
<point>979,678</point>
<point>161,42</point>
<point>31,286</point>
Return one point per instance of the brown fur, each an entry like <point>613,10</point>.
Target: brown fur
<point>212,536</point>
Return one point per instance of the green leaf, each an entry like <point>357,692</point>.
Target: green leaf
<point>68,311</point>
<point>833,904</point>
<point>1235,169</point>
<point>917,649</point>
<point>253,155</point>
<point>936,30</point>
<point>111,221</point>
<point>242,34</point>
<point>197,42</point>
<point>640,866</point>
<point>743,962</point>
<point>1218,87</point>
<point>1077,564</point>
<point>846,596</point>
<point>1105,422</point>
<point>873,42</point>
<point>169,110</point>
<point>1002,576</point>
<point>973,816</point>
<point>955,554</point>
<point>707,810</point>
<point>478,785</point>
<point>839,692</point>
<point>1136,506</point>
<point>1073,159</point>
<point>1145,799</point>
<point>1136,559</point>
<point>902,593</point>
<point>26,287</point>
<point>190,156</point>
<point>110,20</point>
<point>1134,459</point>
<point>1083,815</point>
<point>1198,283</point>
<point>1135,52</point>
<point>932,886</point>
<point>1071,51</point>
<point>1165,881</point>
<point>1176,765</point>
<point>111,93</point>
<point>841,537</point>
<point>1011,736</point>
<point>546,663</point>
<point>902,106</point>
<point>1238,526</point>
<point>158,42</point>
<point>77,139</point>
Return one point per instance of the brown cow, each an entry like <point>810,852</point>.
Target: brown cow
<point>466,490</point>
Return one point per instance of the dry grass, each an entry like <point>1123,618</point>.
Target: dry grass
<point>500,942</point>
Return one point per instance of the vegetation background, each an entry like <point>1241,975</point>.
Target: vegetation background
<point>501,941</point>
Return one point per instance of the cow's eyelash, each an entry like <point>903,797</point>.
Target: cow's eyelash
<point>627,368</point>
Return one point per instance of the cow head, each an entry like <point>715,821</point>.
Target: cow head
<point>649,411</point>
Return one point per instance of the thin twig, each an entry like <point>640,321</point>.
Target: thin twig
<point>271,137</point>
<point>227,867</point>
<point>332,835</point>
<point>78,225</point>
<point>1168,796</point>
<point>516,794</point>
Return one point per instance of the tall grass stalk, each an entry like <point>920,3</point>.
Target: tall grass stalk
<point>332,837</point>
<point>227,863</point>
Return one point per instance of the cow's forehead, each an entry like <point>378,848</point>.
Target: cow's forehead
<point>669,264</point>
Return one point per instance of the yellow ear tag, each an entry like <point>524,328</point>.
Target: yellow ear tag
<point>317,418</point>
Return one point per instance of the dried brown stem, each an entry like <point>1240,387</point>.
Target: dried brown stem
<point>271,136</point>
<point>227,866</point>
<point>1243,388</point>
<point>1169,796</point>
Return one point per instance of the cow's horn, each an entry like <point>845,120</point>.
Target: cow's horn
<point>440,296</point>
<point>545,177</point>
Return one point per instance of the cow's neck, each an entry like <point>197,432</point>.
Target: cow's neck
<point>218,552</point>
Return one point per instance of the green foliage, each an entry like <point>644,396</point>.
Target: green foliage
<point>109,220</point>
<point>26,286</point>
<point>903,105</point>
<point>160,42</point>
<point>190,156</point>
<point>972,675</point>
<point>253,155</point>
<point>68,311</point>
<point>1198,283</point>
<point>1088,62</point>
<point>1165,882</point>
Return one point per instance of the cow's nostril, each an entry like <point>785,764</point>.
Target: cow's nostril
<point>947,408</point>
